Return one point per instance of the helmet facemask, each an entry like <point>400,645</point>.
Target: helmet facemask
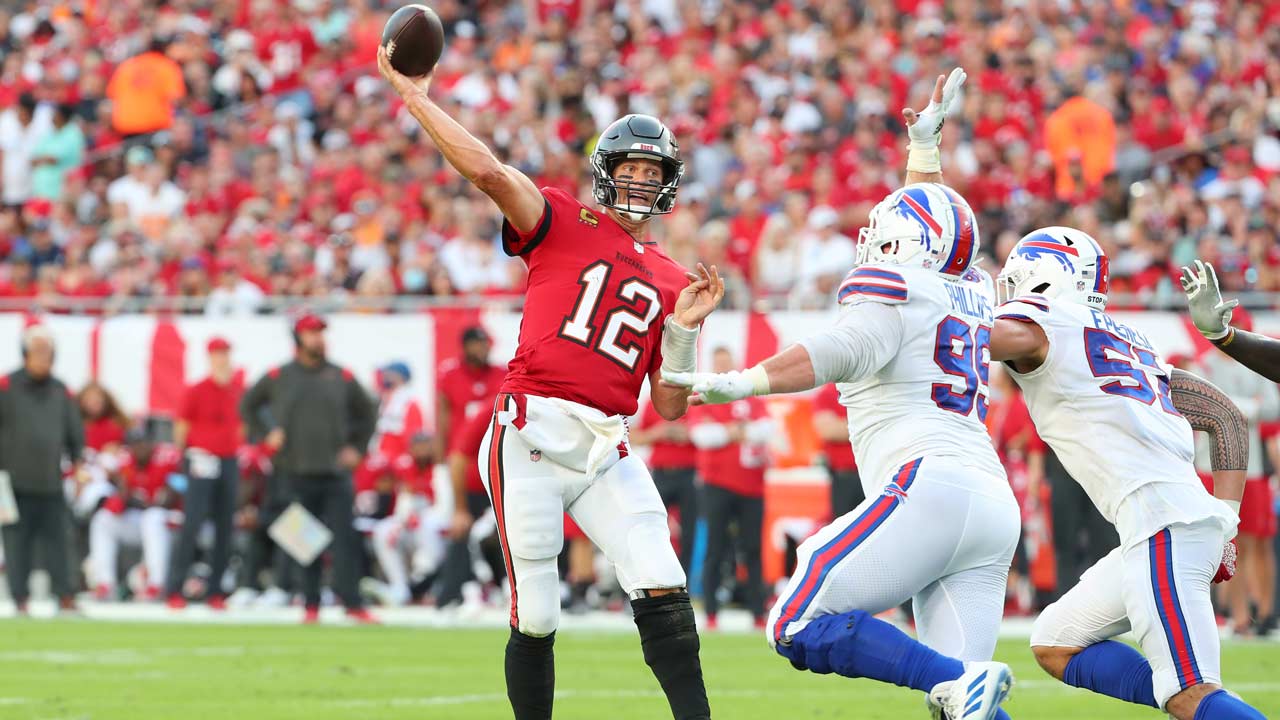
<point>611,192</point>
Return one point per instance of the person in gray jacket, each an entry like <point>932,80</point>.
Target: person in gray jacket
<point>40,426</point>
<point>318,420</point>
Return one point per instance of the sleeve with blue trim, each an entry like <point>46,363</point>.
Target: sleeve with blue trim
<point>873,283</point>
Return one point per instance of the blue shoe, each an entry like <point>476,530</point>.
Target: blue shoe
<point>975,695</point>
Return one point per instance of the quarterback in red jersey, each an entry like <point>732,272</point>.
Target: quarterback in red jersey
<point>605,309</point>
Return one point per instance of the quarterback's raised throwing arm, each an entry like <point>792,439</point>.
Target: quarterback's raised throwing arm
<point>1212,317</point>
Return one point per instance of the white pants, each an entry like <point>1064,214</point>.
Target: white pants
<point>1159,588</point>
<point>148,528</point>
<point>393,541</point>
<point>940,535</point>
<point>620,511</point>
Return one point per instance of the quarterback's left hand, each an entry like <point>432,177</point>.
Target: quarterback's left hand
<point>925,127</point>
<point>712,388</point>
<point>1227,569</point>
<point>703,293</point>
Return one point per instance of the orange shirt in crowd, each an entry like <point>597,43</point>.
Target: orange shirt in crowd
<point>142,91</point>
<point>1081,128</point>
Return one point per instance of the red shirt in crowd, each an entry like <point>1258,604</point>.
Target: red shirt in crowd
<point>468,390</point>
<point>213,413</point>
<point>102,432</point>
<point>839,453</point>
<point>667,454</point>
<point>738,467</point>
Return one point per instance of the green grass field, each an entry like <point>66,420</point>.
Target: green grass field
<point>148,671</point>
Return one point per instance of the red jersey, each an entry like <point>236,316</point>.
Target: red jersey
<point>667,453</point>
<point>470,438</point>
<point>470,391</point>
<point>594,307</point>
<point>839,453</point>
<point>286,51</point>
<point>736,466</point>
<point>144,481</point>
<point>213,413</point>
<point>414,478</point>
<point>102,432</point>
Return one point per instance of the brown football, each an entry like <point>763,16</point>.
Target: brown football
<point>414,39</point>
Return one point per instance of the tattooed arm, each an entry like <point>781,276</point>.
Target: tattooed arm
<point>1259,353</point>
<point>1211,411</point>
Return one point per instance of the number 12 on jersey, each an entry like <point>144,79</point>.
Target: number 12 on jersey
<point>577,327</point>
<point>964,352</point>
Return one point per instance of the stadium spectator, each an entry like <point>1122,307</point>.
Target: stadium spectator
<point>830,420</point>
<point>826,255</point>
<point>144,90</point>
<point>399,414</point>
<point>105,424</point>
<point>40,428</point>
<point>672,462</point>
<point>21,127</point>
<point>732,452</point>
<point>233,293</point>
<point>317,419</point>
<point>135,513</point>
<point>208,433</point>
<point>56,153</point>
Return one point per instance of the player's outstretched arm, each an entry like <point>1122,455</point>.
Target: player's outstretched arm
<point>924,159</point>
<point>861,342</point>
<point>1209,410</point>
<point>1212,317</point>
<point>514,193</point>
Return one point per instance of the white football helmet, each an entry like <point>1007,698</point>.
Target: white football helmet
<point>1057,262</point>
<point>922,225</point>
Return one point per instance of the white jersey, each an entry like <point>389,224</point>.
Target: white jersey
<point>910,357</point>
<point>1101,401</point>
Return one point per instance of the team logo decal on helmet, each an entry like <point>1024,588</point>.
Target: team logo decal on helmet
<point>925,225</point>
<point>1057,262</point>
<point>630,137</point>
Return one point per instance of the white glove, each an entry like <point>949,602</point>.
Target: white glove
<point>926,132</point>
<point>719,388</point>
<point>1209,313</point>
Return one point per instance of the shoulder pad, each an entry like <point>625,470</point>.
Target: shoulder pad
<point>877,284</point>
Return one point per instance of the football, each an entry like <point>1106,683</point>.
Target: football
<point>414,39</point>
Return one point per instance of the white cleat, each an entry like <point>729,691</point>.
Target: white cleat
<point>975,695</point>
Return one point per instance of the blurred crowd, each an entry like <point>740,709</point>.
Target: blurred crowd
<point>223,151</point>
